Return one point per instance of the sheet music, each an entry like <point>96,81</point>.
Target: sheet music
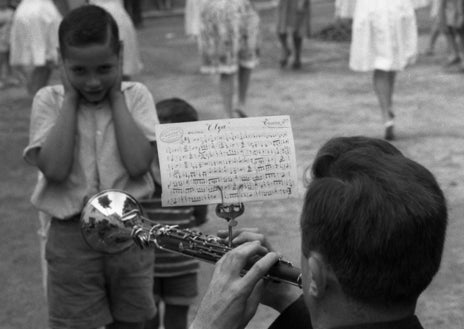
<point>247,159</point>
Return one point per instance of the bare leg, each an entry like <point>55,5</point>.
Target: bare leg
<point>175,317</point>
<point>384,82</point>
<point>38,79</point>
<point>453,47</point>
<point>3,68</point>
<point>297,44</point>
<point>460,42</point>
<point>434,33</point>
<point>4,65</point>
<point>155,321</point>
<point>244,75</point>
<point>20,74</point>
<point>227,92</point>
<point>285,51</point>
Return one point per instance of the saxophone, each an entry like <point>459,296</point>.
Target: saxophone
<point>112,222</point>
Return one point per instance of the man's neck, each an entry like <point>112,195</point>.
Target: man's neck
<point>341,314</point>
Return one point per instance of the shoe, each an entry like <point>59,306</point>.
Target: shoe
<point>296,65</point>
<point>453,61</point>
<point>391,115</point>
<point>240,113</point>
<point>429,52</point>
<point>389,135</point>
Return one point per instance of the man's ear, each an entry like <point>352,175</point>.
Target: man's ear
<point>318,275</point>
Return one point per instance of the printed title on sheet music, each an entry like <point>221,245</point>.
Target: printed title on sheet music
<point>247,159</point>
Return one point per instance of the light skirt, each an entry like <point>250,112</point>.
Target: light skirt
<point>229,36</point>
<point>420,3</point>
<point>294,16</point>
<point>384,35</point>
<point>34,33</point>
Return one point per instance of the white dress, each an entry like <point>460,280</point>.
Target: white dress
<point>132,63</point>
<point>192,17</point>
<point>344,8</point>
<point>420,3</point>
<point>384,35</point>
<point>34,33</point>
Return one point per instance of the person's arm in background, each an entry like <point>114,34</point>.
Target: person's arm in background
<point>62,6</point>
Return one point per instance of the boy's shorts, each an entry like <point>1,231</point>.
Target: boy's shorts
<point>176,290</point>
<point>89,289</point>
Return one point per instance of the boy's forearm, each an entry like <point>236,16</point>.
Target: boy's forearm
<point>55,157</point>
<point>134,147</point>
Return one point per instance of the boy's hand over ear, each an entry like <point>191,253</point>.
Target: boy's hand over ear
<point>69,90</point>
<point>115,91</point>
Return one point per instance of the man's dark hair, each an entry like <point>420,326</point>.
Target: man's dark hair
<point>173,110</point>
<point>88,25</point>
<point>378,218</point>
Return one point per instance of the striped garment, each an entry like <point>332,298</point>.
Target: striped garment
<point>168,263</point>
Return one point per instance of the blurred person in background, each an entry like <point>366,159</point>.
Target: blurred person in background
<point>294,18</point>
<point>384,41</point>
<point>134,9</point>
<point>229,39</point>
<point>132,61</point>
<point>34,41</point>
<point>451,22</point>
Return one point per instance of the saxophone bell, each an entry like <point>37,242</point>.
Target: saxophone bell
<point>109,221</point>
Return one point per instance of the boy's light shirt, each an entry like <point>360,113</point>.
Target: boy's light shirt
<point>97,164</point>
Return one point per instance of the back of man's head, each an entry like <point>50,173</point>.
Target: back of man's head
<point>378,219</point>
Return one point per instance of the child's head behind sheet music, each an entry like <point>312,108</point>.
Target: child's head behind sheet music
<point>172,110</point>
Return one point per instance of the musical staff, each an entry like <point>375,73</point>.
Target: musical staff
<point>255,154</point>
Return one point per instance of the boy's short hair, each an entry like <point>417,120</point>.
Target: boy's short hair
<point>88,25</point>
<point>378,218</point>
<point>174,110</point>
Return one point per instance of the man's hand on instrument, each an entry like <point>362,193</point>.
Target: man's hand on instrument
<point>275,295</point>
<point>231,300</point>
<point>246,234</point>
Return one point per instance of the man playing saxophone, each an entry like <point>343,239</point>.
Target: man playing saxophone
<point>373,227</point>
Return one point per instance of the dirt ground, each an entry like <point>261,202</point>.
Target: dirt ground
<point>324,99</point>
